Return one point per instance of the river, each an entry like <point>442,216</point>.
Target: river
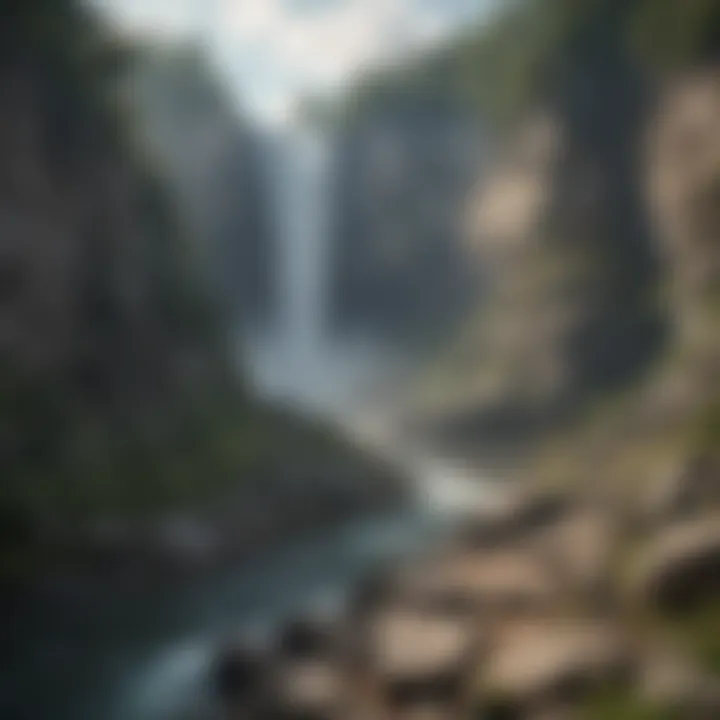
<point>146,657</point>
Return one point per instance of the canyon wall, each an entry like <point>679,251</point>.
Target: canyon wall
<point>403,175</point>
<point>211,157</point>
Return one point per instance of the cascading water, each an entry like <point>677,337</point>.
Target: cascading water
<point>294,359</point>
<point>300,192</point>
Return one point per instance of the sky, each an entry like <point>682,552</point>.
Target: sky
<point>274,51</point>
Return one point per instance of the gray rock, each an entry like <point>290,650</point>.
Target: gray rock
<point>239,677</point>
<point>308,690</point>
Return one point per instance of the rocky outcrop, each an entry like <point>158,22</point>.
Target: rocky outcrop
<point>683,189</point>
<point>559,229</point>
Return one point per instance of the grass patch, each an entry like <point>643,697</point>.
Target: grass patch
<point>698,632</point>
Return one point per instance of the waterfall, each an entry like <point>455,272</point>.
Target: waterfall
<point>295,360</point>
<point>286,356</point>
<point>302,217</point>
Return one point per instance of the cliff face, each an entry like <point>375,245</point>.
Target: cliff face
<point>120,399</point>
<point>111,354</point>
<point>403,176</point>
<point>560,227</point>
<point>211,159</point>
<point>83,232</point>
<point>683,189</point>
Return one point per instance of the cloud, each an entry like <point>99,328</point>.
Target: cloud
<point>275,50</point>
<point>163,17</point>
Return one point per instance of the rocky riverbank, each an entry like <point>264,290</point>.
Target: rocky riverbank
<point>554,605</point>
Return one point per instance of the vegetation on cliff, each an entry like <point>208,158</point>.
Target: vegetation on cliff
<point>119,393</point>
<point>526,48</point>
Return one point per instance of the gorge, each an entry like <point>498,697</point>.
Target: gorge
<point>258,374</point>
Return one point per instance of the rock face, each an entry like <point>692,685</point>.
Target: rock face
<point>682,187</point>
<point>546,228</point>
<point>402,178</point>
<point>560,231</point>
<point>71,227</point>
<point>213,161</point>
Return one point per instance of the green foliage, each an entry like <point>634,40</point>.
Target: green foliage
<point>696,631</point>
<point>706,430</point>
<point>620,705</point>
<point>528,47</point>
<point>667,34</point>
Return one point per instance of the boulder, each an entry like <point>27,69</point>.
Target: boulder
<point>238,677</point>
<point>680,566</point>
<point>550,661</point>
<point>524,513</point>
<point>308,690</point>
<point>580,549</point>
<point>420,658</point>
<point>472,582</point>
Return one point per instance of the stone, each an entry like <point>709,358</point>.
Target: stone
<point>238,677</point>
<point>510,521</point>
<point>475,581</point>
<point>551,660</point>
<point>420,658</point>
<point>580,548</point>
<point>308,690</point>
<point>680,566</point>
